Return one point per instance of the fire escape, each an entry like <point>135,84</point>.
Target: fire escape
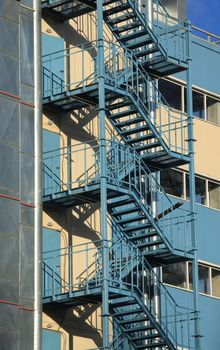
<point>148,229</point>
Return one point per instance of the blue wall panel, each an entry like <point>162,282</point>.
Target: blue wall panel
<point>51,340</point>
<point>205,66</point>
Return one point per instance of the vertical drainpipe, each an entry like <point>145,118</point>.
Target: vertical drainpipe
<point>192,196</point>
<point>103,175</point>
<point>150,18</point>
<point>37,178</point>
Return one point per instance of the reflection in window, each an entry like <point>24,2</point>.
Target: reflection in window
<point>215,282</point>
<point>213,110</point>
<point>175,274</point>
<point>214,195</point>
<point>171,92</point>
<point>200,190</point>
<point>198,105</point>
<point>204,282</point>
<point>172,182</point>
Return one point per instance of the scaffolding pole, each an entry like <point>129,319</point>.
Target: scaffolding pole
<point>103,171</point>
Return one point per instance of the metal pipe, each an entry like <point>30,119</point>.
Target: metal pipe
<point>37,178</point>
<point>103,175</point>
<point>192,197</point>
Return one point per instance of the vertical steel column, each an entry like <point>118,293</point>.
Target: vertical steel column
<point>103,175</point>
<point>192,195</point>
<point>37,178</point>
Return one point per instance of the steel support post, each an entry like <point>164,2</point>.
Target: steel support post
<point>192,196</point>
<point>37,177</point>
<point>103,175</point>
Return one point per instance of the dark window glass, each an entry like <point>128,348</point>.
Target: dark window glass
<point>204,282</point>
<point>200,190</point>
<point>190,276</point>
<point>214,195</point>
<point>213,110</point>
<point>198,105</point>
<point>216,282</point>
<point>171,92</point>
<point>175,274</point>
<point>172,182</point>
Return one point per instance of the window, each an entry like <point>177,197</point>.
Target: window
<point>214,195</point>
<point>204,279</point>
<point>200,187</point>
<point>198,105</point>
<point>175,274</point>
<point>172,182</point>
<point>216,282</point>
<point>213,110</point>
<point>180,275</point>
<point>172,93</point>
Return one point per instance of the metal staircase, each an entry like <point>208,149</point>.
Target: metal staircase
<point>159,42</point>
<point>135,107</point>
<point>133,286</point>
<point>148,229</point>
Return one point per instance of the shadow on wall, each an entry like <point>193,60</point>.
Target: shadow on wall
<point>75,224</point>
<point>77,321</point>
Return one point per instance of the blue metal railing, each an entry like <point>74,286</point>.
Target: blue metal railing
<point>123,72</point>
<point>129,271</point>
<point>125,171</point>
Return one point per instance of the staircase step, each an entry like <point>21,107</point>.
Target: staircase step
<point>124,302</point>
<point>150,346</point>
<point>131,219</point>
<point>136,320</point>
<point>125,211</point>
<point>133,35</point>
<point>119,105</point>
<point>120,203</point>
<point>126,27</point>
<point>145,337</point>
<point>149,244</point>
<point>116,9</point>
<point>147,146</point>
<point>128,312</point>
<point>129,122</point>
<point>146,52</point>
<point>140,42</point>
<point>143,236</point>
<point>137,228</point>
<point>139,329</point>
<point>141,138</point>
<point>121,18</point>
<point>135,130</point>
<point>123,114</point>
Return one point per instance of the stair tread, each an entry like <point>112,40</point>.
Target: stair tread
<point>119,105</point>
<point>148,146</point>
<point>141,138</point>
<point>135,130</point>
<point>145,235</point>
<point>121,18</point>
<point>125,211</point>
<point>139,328</point>
<point>149,244</point>
<point>131,219</point>
<point>121,203</point>
<point>153,345</point>
<point>133,35</point>
<point>146,52</point>
<point>129,122</point>
<point>123,114</point>
<point>142,41</point>
<point>137,228</point>
<point>136,320</point>
<point>128,312</point>
<point>116,9</point>
<point>145,336</point>
<point>128,26</point>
